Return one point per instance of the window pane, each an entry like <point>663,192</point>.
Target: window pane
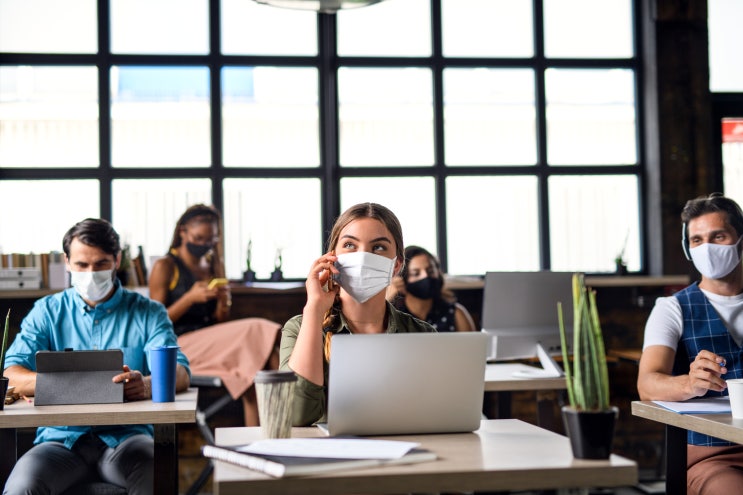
<point>164,26</point>
<point>489,117</point>
<point>399,29</point>
<point>590,117</point>
<point>386,117</point>
<point>145,211</point>
<point>265,212</point>
<point>492,224</point>
<point>732,157</point>
<point>264,108</point>
<point>48,116</point>
<point>592,220</point>
<point>51,26</point>
<point>160,116</point>
<point>588,29</point>
<point>725,69</point>
<point>251,28</point>
<point>418,217</point>
<point>40,229</point>
<point>487,28</point>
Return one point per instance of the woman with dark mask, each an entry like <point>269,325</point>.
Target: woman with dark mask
<point>419,291</point>
<point>200,310</point>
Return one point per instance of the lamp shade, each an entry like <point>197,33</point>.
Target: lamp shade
<point>322,6</point>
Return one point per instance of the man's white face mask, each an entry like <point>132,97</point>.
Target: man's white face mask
<point>716,260</point>
<point>364,275</point>
<point>92,286</point>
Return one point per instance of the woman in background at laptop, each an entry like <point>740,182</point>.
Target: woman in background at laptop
<point>346,290</point>
<point>232,350</point>
<point>419,290</point>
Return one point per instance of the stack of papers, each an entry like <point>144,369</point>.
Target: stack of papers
<point>301,456</point>
<point>709,405</point>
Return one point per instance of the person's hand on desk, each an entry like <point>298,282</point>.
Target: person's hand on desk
<point>136,386</point>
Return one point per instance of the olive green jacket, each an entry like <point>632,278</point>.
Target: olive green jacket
<point>310,398</point>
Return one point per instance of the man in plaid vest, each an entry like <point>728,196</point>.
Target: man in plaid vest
<point>693,338</point>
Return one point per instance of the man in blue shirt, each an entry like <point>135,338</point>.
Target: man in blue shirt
<point>96,313</point>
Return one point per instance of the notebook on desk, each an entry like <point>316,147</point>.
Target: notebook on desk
<point>78,377</point>
<point>389,384</point>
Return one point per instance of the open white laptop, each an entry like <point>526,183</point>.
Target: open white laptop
<point>519,314</point>
<point>389,384</point>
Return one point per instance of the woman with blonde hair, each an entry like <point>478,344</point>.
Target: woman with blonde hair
<point>345,294</point>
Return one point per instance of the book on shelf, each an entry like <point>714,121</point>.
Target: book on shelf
<point>283,466</point>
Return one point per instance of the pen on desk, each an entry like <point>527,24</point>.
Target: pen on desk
<point>27,399</point>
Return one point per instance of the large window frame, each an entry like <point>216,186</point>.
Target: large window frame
<point>329,172</point>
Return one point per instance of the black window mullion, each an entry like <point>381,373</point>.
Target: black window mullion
<point>104,110</point>
<point>540,65</point>
<point>440,172</point>
<point>215,104</point>
<point>328,100</point>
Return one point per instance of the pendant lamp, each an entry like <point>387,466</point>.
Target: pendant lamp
<point>322,6</point>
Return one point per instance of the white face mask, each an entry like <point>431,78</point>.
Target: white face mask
<point>716,260</point>
<point>92,286</point>
<point>364,275</point>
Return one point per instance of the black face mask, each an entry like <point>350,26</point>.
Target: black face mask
<point>427,288</point>
<point>198,250</point>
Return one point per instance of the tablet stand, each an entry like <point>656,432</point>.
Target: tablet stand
<point>550,368</point>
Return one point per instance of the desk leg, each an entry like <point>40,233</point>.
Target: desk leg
<point>497,405</point>
<point>504,405</point>
<point>166,459</point>
<point>9,454</point>
<point>675,460</point>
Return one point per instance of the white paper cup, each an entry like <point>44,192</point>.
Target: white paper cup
<point>735,390</point>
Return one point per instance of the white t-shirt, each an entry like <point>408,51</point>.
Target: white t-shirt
<point>665,323</point>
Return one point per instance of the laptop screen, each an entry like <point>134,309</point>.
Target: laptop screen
<point>519,311</point>
<point>386,384</point>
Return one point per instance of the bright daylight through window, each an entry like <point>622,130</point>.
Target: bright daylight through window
<point>495,152</point>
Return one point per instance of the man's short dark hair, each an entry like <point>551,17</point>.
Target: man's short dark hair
<point>94,232</point>
<point>715,202</point>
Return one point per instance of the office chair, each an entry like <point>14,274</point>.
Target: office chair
<point>202,418</point>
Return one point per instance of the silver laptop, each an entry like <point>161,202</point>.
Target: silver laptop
<point>519,312</point>
<point>389,384</point>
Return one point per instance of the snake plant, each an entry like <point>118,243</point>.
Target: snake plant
<point>5,343</point>
<point>587,376</point>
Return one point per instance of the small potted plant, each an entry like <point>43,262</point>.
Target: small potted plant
<point>589,419</point>
<point>4,380</point>
<point>619,261</point>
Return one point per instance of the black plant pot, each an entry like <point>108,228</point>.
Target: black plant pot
<point>591,433</point>
<point>3,390</point>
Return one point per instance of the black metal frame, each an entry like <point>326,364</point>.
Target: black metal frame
<point>327,62</point>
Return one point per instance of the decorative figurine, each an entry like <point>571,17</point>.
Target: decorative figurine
<point>276,275</point>
<point>249,274</point>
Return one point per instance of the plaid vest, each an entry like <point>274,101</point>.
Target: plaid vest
<point>703,330</point>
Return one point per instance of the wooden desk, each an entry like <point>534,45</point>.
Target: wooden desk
<point>718,425</point>
<point>164,416</point>
<point>499,379</point>
<point>504,454</point>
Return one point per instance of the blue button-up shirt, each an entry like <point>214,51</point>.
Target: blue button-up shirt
<point>128,321</point>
